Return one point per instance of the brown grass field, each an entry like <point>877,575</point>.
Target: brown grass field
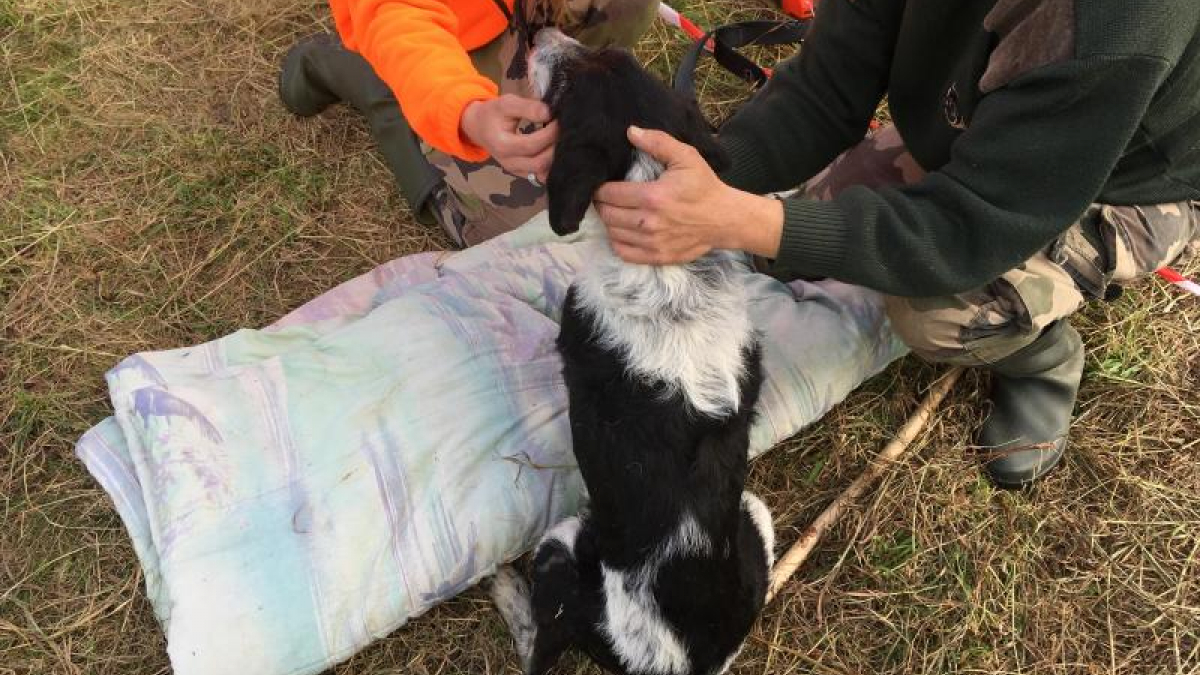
<point>153,194</point>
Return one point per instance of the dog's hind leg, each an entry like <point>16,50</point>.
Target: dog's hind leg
<point>510,592</point>
<point>760,517</point>
<point>556,597</point>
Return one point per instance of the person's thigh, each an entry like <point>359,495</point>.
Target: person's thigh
<point>986,324</point>
<point>603,23</point>
<point>1107,246</point>
<point>481,200</point>
<point>880,160</point>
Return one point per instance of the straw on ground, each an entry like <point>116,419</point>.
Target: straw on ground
<point>153,193</point>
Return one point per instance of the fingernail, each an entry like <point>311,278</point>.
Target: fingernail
<point>635,132</point>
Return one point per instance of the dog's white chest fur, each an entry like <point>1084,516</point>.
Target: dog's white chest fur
<point>683,325</point>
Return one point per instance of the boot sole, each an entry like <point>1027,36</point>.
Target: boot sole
<point>1022,482</point>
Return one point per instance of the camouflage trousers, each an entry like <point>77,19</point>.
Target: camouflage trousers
<point>986,324</point>
<point>481,200</point>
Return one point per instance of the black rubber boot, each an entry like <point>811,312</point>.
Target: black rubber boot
<point>318,72</point>
<point>305,68</point>
<point>1033,395</point>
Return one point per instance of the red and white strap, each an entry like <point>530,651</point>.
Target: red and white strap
<point>1178,280</point>
<point>668,14</point>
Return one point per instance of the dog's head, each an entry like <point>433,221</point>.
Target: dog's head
<point>596,95</point>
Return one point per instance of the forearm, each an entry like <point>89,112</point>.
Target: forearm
<point>754,223</point>
<point>413,47</point>
<point>1033,158</point>
<point>818,103</point>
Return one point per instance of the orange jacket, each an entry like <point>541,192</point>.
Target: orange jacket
<point>419,48</point>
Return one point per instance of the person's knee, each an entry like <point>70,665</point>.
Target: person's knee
<point>612,22</point>
<point>948,330</point>
<point>931,330</point>
<point>633,7</point>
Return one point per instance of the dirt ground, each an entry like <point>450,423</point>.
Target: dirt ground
<point>153,194</point>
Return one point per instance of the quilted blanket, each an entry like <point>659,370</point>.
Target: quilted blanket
<point>296,491</point>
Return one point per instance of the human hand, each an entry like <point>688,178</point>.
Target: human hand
<point>493,125</point>
<point>687,212</point>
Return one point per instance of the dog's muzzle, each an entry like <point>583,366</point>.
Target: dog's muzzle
<point>550,48</point>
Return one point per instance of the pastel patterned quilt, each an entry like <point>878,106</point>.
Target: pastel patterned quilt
<point>297,491</point>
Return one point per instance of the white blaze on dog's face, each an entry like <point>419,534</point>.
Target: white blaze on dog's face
<point>551,49</point>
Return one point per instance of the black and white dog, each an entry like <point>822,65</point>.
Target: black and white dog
<point>667,571</point>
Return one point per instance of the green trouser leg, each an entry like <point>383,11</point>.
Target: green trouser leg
<point>1033,395</point>
<point>318,72</point>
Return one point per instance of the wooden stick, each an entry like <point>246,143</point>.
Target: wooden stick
<point>799,552</point>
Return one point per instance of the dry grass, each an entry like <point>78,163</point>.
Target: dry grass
<point>154,194</point>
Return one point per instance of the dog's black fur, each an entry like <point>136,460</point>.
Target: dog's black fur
<point>645,460</point>
<point>648,458</point>
<point>595,99</point>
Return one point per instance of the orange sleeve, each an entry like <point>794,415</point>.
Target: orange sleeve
<point>413,45</point>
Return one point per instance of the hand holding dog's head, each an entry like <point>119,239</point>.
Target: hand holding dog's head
<point>596,96</point>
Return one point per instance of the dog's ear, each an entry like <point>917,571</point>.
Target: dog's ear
<point>591,146</point>
<point>575,174</point>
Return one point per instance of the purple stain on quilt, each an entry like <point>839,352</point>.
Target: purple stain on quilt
<point>458,577</point>
<point>275,412</point>
<point>204,467</point>
<point>302,520</point>
<point>555,280</point>
<point>393,495</point>
<point>137,363</point>
<point>150,402</point>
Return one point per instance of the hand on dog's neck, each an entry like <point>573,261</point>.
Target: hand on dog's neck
<point>644,169</point>
<point>656,313</point>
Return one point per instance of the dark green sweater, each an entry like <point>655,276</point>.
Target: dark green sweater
<point>1022,111</point>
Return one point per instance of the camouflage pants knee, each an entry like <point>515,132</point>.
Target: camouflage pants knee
<point>482,200</point>
<point>986,324</point>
